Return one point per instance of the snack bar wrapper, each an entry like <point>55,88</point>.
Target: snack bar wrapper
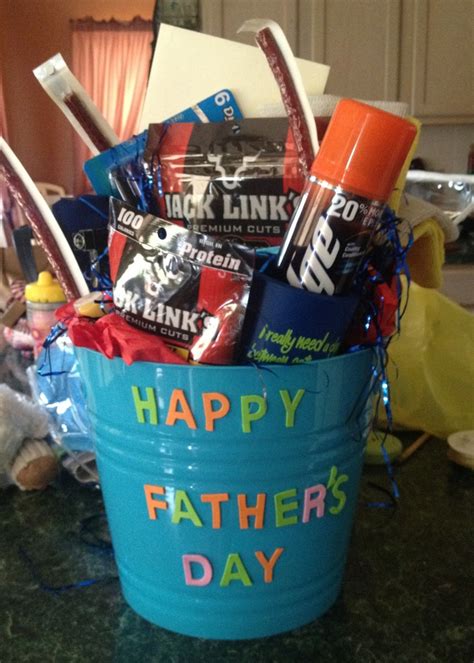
<point>239,180</point>
<point>189,289</point>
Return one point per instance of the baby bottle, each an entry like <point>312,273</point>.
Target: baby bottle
<point>43,297</point>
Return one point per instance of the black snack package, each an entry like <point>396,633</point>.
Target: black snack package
<point>238,180</point>
<point>188,288</point>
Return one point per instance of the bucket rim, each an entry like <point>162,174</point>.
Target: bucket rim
<point>244,367</point>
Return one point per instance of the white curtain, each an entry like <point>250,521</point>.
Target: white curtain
<point>111,60</point>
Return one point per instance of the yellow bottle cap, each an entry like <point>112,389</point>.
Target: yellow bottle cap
<point>44,290</point>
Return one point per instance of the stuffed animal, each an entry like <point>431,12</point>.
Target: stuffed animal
<point>26,459</point>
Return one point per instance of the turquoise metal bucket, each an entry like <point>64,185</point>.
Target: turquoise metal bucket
<point>230,491</point>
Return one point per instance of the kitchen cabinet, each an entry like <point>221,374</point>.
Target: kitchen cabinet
<point>342,33</point>
<point>222,18</point>
<point>416,51</point>
<point>437,62</point>
<point>359,39</point>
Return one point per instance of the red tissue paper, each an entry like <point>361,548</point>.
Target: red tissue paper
<point>113,337</point>
<point>385,300</point>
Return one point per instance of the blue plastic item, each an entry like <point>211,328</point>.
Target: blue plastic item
<point>56,384</point>
<point>230,491</point>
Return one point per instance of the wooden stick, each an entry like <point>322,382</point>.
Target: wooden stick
<point>410,450</point>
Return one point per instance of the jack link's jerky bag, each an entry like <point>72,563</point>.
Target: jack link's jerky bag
<point>239,180</point>
<point>189,289</point>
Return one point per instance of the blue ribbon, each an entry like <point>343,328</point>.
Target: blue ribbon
<point>150,172</point>
<point>58,330</point>
<point>94,542</point>
<point>103,280</point>
<point>388,255</point>
<point>98,211</point>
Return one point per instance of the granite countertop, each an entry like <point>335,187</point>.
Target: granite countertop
<point>405,597</point>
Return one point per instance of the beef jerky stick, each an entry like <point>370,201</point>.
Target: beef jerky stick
<point>84,118</point>
<point>271,39</point>
<point>66,91</point>
<point>44,225</point>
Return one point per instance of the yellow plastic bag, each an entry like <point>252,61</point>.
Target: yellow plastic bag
<point>431,365</point>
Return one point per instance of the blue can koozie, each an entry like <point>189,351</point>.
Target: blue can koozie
<point>286,325</point>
